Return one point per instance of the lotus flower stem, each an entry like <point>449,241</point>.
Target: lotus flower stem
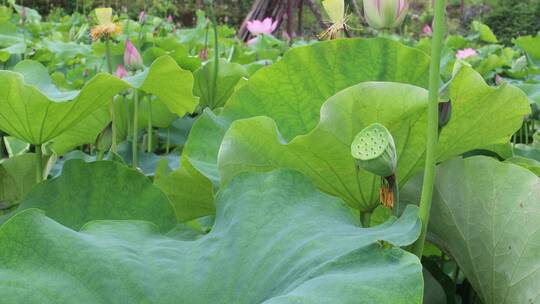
<point>149,130</point>
<point>128,114</point>
<point>114,144</point>
<point>433,124</point>
<point>39,163</point>
<point>108,55</point>
<point>211,14</point>
<point>1,146</point>
<point>134,144</point>
<point>113,120</point>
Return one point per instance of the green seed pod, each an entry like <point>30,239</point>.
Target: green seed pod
<point>375,151</point>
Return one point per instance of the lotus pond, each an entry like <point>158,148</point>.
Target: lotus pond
<point>383,151</point>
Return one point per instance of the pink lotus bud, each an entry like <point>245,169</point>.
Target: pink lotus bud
<point>466,53</point>
<point>381,14</point>
<point>427,30</point>
<point>203,54</point>
<point>286,36</point>
<point>121,72</point>
<point>142,17</point>
<point>24,14</point>
<point>170,19</point>
<point>498,79</point>
<point>132,58</point>
<point>267,26</point>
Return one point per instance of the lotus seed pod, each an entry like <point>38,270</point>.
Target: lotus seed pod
<point>375,151</point>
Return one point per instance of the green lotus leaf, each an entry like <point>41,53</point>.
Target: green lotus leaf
<point>293,90</point>
<point>34,110</point>
<point>14,49</point>
<point>486,214</point>
<point>481,115</point>
<point>485,32</point>
<point>164,79</point>
<point>17,177</point>
<point>252,254</point>
<point>99,191</point>
<point>189,191</point>
<point>530,44</point>
<point>15,146</point>
<point>86,131</point>
<point>229,74</point>
<point>528,163</point>
<point>67,50</point>
<point>324,153</point>
<point>170,83</point>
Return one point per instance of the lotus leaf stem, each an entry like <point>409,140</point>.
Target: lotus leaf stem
<point>433,125</point>
<point>134,144</point>
<point>39,163</point>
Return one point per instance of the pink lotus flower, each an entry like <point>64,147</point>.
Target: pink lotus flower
<point>466,53</point>
<point>142,17</point>
<point>132,58</point>
<point>170,19</point>
<point>121,72</point>
<point>427,30</point>
<point>257,27</point>
<point>385,14</point>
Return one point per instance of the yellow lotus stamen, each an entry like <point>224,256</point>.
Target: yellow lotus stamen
<point>106,27</point>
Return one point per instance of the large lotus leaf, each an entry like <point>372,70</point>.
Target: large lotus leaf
<point>164,79</point>
<point>276,239</point>
<point>486,214</point>
<point>292,91</point>
<point>324,154</point>
<point>34,110</point>
<point>99,191</point>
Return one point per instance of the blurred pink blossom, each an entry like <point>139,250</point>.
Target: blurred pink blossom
<point>170,19</point>
<point>286,36</point>
<point>121,72</point>
<point>498,79</point>
<point>132,58</point>
<point>257,27</point>
<point>427,30</point>
<point>142,17</point>
<point>203,54</point>
<point>466,53</point>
